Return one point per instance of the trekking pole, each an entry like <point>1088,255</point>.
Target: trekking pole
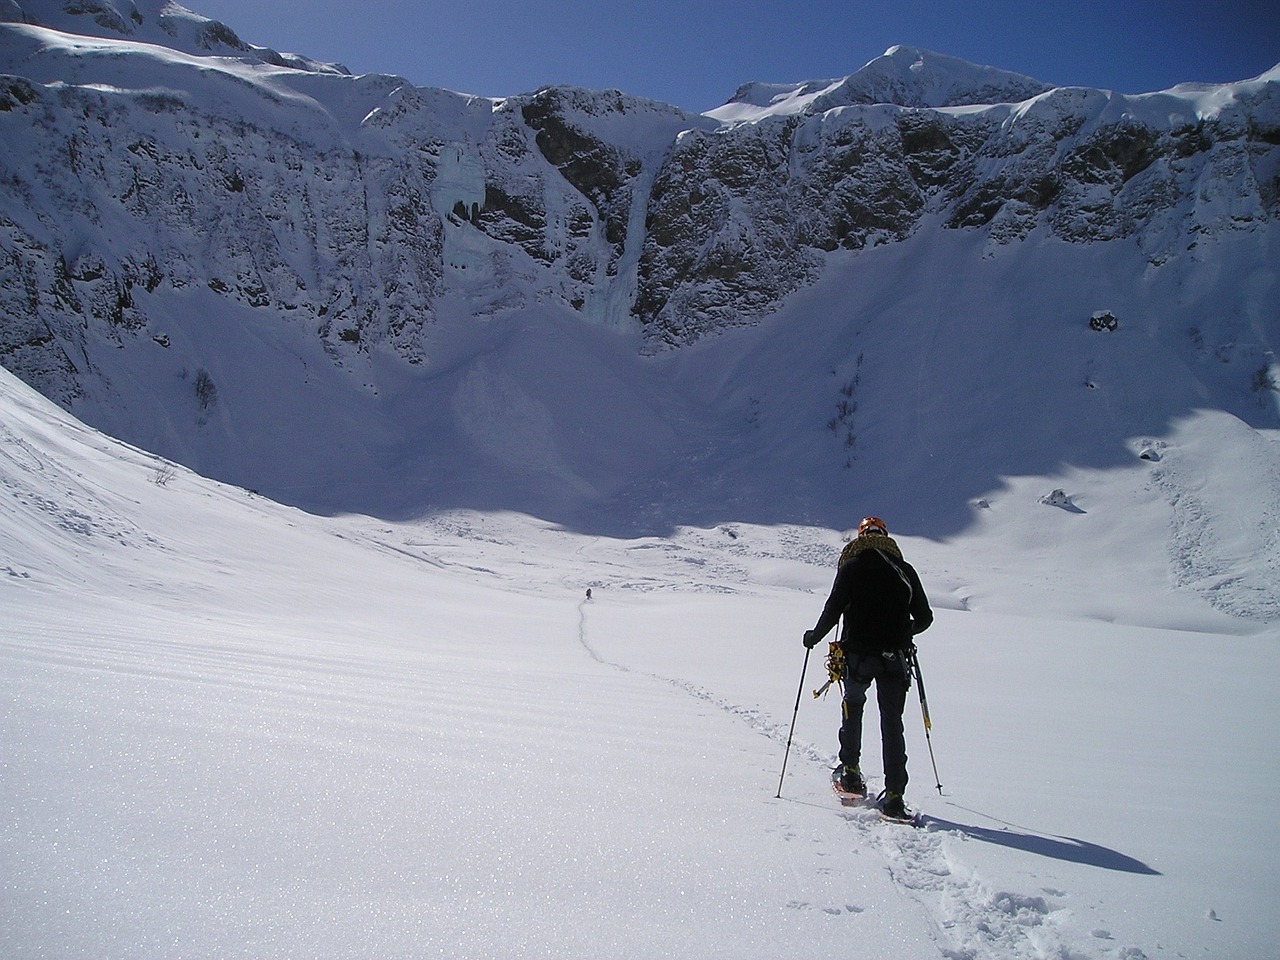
<point>794,714</point>
<point>924,712</point>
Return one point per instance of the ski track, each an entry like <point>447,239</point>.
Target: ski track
<point>972,920</point>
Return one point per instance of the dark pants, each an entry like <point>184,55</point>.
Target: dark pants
<point>892,682</point>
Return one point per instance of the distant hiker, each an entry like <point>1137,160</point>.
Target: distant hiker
<point>883,604</point>
<point>588,593</point>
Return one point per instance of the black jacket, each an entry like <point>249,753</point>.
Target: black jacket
<point>882,602</point>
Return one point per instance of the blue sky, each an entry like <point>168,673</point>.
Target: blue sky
<point>695,53</point>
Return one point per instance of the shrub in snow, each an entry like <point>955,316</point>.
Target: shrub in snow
<point>206,392</point>
<point>1266,378</point>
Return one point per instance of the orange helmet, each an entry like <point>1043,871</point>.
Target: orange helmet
<point>873,525</point>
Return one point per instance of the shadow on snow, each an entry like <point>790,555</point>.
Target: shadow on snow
<point>1069,849</point>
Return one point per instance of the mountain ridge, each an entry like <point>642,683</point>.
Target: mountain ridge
<point>159,22</point>
<point>903,76</point>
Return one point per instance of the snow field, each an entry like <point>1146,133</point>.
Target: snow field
<point>1064,750</point>
<point>230,728</point>
<point>233,728</point>
<point>238,789</point>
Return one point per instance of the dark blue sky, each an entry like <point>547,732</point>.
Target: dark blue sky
<point>695,53</point>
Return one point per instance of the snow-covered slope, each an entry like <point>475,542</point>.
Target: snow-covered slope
<point>904,76</point>
<point>232,728</point>
<point>160,23</point>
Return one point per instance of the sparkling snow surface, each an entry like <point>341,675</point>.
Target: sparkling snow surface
<point>234,729</point>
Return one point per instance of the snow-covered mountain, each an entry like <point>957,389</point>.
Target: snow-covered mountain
<point>920,142</point>
<point>166,152</point>
<point>352,294</point>
<point>572,339</point>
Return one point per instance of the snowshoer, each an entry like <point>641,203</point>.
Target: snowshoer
<point>884,606</point>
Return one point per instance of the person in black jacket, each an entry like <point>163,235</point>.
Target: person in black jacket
<point>884,606</point>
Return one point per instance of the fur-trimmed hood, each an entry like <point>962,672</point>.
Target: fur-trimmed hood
<point>869,541</point>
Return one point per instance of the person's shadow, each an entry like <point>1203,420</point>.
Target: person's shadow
<point>1059,848</point>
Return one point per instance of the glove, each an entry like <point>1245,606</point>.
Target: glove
<point>810,639</point>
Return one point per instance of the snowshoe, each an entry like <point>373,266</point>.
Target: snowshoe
<point>895,809</point>
<point>848,785</point>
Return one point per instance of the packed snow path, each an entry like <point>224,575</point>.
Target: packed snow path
<point>969,919</point>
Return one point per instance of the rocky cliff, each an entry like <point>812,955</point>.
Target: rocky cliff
<point>916,140</point>
<point>148,151</point>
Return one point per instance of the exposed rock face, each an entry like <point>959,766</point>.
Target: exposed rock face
<point>361,208</point>
<point>725,234</point>
<point>154,192</point>
<point>600,172</point>
<point>768,192</point>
